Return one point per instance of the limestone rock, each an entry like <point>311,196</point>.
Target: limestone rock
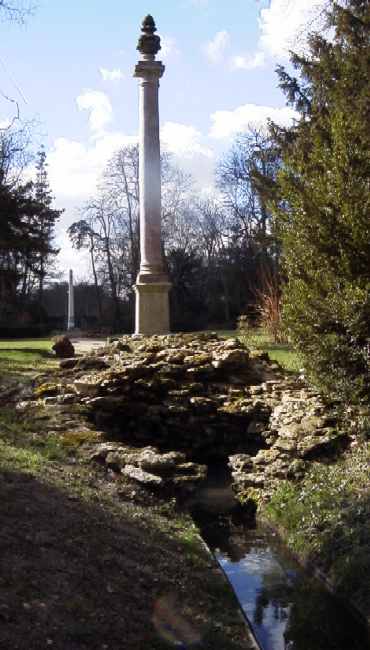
<point>68,363</point>
<point>63,347</point>
<point>91,363</point>
<point>188,477</point>
<point>47,390</point>
<point>87,385</point>
<point>203,404</point>
<point>101,451</point>
<point>198,394</point>
<point>142,477</point>
<point>67,398</point>
<point>227,359</point>
<point>240,462</point>
<point>107,403</point>
<point>50,400</point>
<point>233,344</point>
<point>195,360</point>
<point>151,460</point>
<point>322,442</point>
<point>119,458</point>
<point>120,346</point>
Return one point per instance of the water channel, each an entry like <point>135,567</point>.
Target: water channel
<point>286,608</point>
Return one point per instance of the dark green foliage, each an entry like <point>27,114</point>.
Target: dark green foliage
<point>23,331</point>
<point>27,222</point>
<point>187,295</point>
<point>322,202</point>
<point>46,221</point>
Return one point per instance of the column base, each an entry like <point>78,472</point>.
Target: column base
<point>152,313</point>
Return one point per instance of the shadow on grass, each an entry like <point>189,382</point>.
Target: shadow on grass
<point>75,575</point>
<point>14,363</point>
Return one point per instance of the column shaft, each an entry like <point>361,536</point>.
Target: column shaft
<point>150,179</point>
<point>71,304</point>
<point>152,286</point>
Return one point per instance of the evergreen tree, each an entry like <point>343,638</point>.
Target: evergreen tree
<point>27,222</point>
<point>20,245</point>
<point>321,203</point>
<point>47,219</point>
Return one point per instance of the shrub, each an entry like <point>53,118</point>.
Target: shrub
<point>321,205</point>
<point>270,308</point>
<point>23,331</point>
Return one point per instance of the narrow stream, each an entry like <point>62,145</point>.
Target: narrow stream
<point>286,608</point>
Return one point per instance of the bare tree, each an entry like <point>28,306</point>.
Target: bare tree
<point>109,224</point>
<point>15,153</point>
<point>120,187</point>
<point>82,235</point>
<point>15,10</point>
<point>236,174</point>
<point>101,216</point>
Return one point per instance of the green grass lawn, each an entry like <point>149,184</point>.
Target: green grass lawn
<point>24,356</point>
<point>258,339</point>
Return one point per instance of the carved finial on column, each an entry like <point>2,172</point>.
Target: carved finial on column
<point>149,43</point>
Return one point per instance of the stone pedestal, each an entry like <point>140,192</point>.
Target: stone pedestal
<point>152,285</point>
<point>152,308</point>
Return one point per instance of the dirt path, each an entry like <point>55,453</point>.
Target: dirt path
<point>82,346</point>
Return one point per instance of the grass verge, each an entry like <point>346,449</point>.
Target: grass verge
<point>325,519</point>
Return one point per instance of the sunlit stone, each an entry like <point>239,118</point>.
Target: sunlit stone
<point>152,285</point>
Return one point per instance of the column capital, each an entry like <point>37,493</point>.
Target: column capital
<point>149,70</point>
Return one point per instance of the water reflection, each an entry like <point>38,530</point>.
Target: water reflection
<point>287,609</point>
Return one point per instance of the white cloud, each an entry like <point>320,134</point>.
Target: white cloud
<point>111,75</point>
<point>284,24</point>
<point>226,124</point>
<point>215,49</point>
<point>75,167</point>
<point>5,124</point>
<point>99,106</point>
<point>69,257</point>
<point>183,140</point>
<point>168,47</point>
<point>248,61</point>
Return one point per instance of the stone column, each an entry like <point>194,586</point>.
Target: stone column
<point>152,285</point>
<point>71,303</point>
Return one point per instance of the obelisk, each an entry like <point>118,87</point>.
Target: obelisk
<point>71,303</point>
<point>152,285</point>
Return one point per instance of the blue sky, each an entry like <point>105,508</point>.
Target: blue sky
<point>70,68</point>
